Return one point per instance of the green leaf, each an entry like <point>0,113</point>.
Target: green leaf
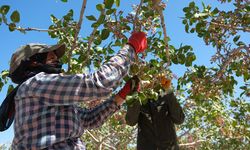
<point>192,30</point>
<point>236,38</point>
<point>110,11</point>
<point>15,16</point>
<point>53,18</point>
<point>101,19</point>
<point>240,43</point>
<point>188,63</point>
<point>192,4</point>
<point>52,33</point>
<point>10,88</point>
<point>64,1</point>
<point>174,59</point>
<point>187,28</point>
<point>190,58</point>
<point>203,5</point>
<point>109,4</point>
<point>118,43</point>
<point>142,96</point>
<point>5,9</point>
<point>134,69</point>
<point>248,8</point>
<point>91,17</point>
<point>1,84</point>
<point>95,25</point>
<point>105,34</point>
<point>117,2</point>
<point>1,20</point>
<point>186,9</point>
<point>4,74</point>
<point>12,27</point>
<point>144,8</point>
<point>100,7</point>
<point>215,11</point>
<point>98,41</point>
<point>199,26</point>
<point>186,48</point>
<point>181,58</point>
<point>184,21</point>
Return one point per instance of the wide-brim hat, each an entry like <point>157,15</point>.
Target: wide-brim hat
<point>25,52</point>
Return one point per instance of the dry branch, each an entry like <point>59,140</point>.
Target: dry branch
<point>92,136</point>
<point>157,7</point>
<point>22,29</point>
<point>165,36</point>
<point>230,26</point>
<point>230,58</point>
<point>78,28</point>
<point>191,144</point>
<point>136,15</point>
<point>100,142</point>
<point>91,38</point>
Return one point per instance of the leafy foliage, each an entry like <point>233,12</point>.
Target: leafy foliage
<point>215,118</point>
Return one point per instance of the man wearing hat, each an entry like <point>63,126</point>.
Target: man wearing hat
<point>46,112</point>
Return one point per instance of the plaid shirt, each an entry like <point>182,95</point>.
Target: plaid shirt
<point>47,115</point>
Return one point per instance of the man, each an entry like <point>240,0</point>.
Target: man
<point>47,116</point>
<point>156,119</point>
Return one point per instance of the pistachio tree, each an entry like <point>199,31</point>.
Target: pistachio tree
<point>215,117</point>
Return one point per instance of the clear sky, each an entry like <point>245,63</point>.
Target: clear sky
<point>37,14</point>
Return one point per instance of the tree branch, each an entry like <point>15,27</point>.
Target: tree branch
<point>230,26</point>
<point>229,60</point>
<point>92,136</point>
<point>91,38</point>
<point>136,15</point>
<point>78,28</point>
<point>165,36</point>
<point>183,134</point>
<point>103,143</point>
<point>22,29</point>
<point>191,144</point>
<point>159,9</point>
<point>100,142</point>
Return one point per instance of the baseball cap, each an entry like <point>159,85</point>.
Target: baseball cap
<point>25,52</point>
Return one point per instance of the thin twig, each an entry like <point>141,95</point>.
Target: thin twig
<point>136,15</point>
<point>33,29</point>
<point>165,37</point>
<point>229,60</point>
<point>21,29</point>
<point>92,136</point>
<point>185,133</point>
<point>103,143</point>
<point>78,28</point>
<point>91,38</point>
<point>230,26</point>
<point>156,7</point>
<point>100,142</point>
<point>191,144</point>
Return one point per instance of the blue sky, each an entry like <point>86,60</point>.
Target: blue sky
<point>37,14</point>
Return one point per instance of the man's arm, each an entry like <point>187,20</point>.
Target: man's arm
<point>175,110</point>
<point>59,89</point>
<point>95,117</point>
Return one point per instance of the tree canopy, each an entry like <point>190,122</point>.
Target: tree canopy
<point>216,118</point>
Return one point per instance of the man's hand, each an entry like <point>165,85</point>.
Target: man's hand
<point>138,41</point>
<point>131,85</point>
